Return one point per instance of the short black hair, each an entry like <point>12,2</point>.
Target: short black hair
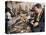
<point>38,5</point>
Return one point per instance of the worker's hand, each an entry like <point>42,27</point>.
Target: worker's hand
<point>35,24</point>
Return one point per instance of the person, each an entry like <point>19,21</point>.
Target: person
<point>38,12</point>
<point>6,18</point>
